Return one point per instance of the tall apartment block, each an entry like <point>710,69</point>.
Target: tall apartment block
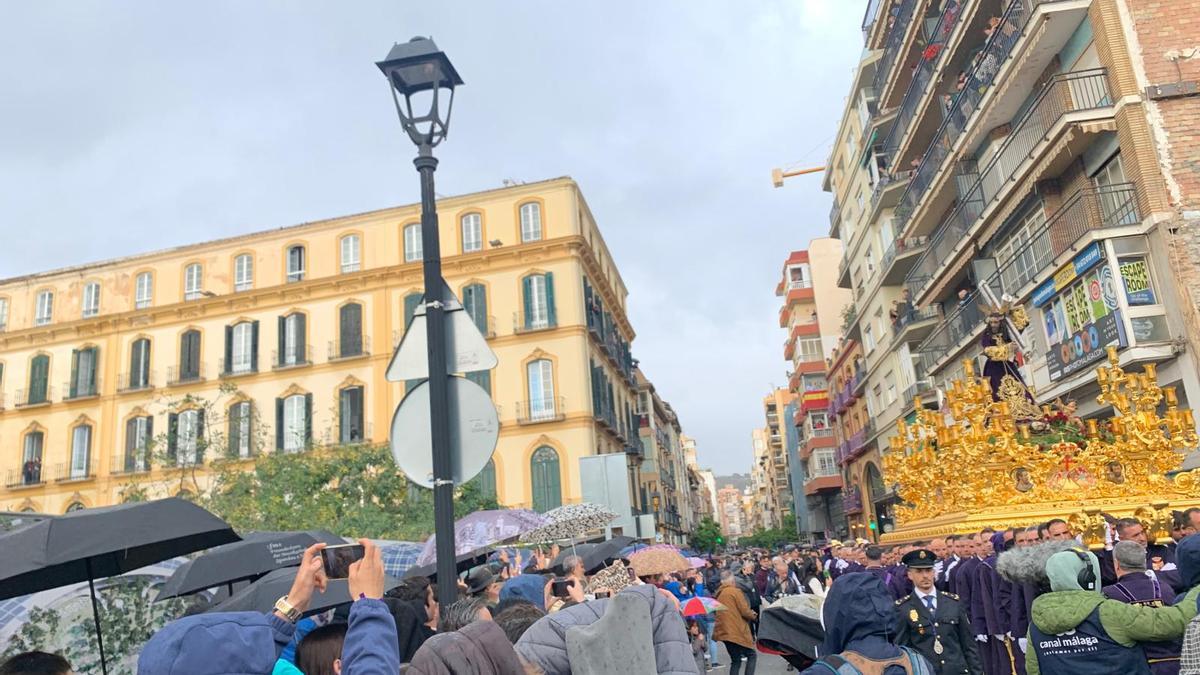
<point>1040,150</point>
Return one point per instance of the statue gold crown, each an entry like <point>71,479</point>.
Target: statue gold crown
<point>982,452</point>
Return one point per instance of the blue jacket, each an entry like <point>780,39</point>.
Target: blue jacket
<point>249,643</point>
<point>859,616</point>
<point>1187,559</point>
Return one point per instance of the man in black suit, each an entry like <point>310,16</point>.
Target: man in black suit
<point>935,622</point>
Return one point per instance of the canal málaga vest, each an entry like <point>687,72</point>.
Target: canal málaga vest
<point>1086,649</point>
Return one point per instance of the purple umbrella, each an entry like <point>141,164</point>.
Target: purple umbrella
<point>485,528</point>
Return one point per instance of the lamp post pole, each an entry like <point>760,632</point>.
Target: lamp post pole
<point>413,69</point>
<point>439,402</point>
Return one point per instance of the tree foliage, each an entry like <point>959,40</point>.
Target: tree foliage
<point>706,534</point>
<point>773,538</point>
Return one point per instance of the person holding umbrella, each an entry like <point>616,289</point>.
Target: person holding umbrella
<point>250,642</point>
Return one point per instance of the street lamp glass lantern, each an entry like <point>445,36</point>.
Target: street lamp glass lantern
<point>423,76</point>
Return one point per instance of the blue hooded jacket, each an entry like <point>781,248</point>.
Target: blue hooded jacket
<point>859,616</point>
<point>1187,559</point>
<point>249,643</point>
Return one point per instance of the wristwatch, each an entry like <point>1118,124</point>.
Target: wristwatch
<point>285,608</point>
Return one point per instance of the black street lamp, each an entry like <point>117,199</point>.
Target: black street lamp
<point>419,72</point>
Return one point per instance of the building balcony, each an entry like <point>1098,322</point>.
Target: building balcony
<point>814,400</point>
<point>76,391</point>
<point>177,376</point>
<point>635,450</point>
<point>823,484</point>
<point>542,410</point>
<point>1087,211</point>
<point>532,325</point>
<point>1031,135</point>
<point>1032,31</point>
<point>68,472</point>
<point>918,394</point>
<point>894,41</point>
<point>130,382</point>
<point>817,440</point>
<point>29,476</point>
<point>287,359</point>
<point>129,465</point>
<point>349,349</point>
<point>899,258</point>
<point>914,325</point>
<point>852,502</point>
<point>27,398</point>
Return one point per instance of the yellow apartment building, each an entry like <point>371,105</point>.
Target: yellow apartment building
<point>303,321</point>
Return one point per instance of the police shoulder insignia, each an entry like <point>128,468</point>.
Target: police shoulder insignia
<point>903,600</point>
<point>950,595</point>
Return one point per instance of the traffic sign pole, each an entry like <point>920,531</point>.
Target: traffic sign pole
<point>439,419</point>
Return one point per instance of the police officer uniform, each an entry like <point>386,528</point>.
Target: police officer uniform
<point>936,624</point>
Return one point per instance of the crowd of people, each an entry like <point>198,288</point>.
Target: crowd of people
<point>1006,601</point>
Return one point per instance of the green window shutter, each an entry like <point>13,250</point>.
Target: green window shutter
<point>281,341</point>
<point>254,346</point>
<point>527,297</point>
<point>545,479</point>
<point>172,435</point>
<point>201,443</point>
<point>551,314</point>
<point>228,350</point>
<point>301,338</point>
<point>487,481</point>
<point>475,302</point>
<point>234,435</point>
<point>39,372</point>
<point>410,308</point>
<point>278,425</point>
<point>308,410</point>
<point>93,366</point>
<point>350,330</point>
<point>483,378</point>
<point>130,442</point>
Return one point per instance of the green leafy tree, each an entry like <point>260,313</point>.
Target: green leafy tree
<point>706,534</point>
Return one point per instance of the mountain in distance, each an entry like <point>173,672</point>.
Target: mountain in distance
<point>741,481</point>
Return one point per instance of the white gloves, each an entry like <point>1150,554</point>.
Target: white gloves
<point>981,638</point>
<point>1023,644</point>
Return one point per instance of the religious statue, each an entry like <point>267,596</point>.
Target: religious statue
<point>999,345</point>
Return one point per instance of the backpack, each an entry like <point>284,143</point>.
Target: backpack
<point>852,663</point>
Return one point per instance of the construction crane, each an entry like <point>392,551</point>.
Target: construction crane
<point>777,175</point>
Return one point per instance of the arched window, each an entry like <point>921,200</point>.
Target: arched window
<point>3,314</point>
<point>39,376</point>
<point>75,506</point>
<point>31,460</point>
<point>412,243</point>
<point>351,253</point>
<point>139,365</point>
<point>293,340</point>
<point>472,233</point>
<point>144,291</point>
<point>474,300</point>
<point>487,480</point>
<point>875,482</point>
<point>185,437</point>
<point>540,375</point>
<point>350,342</point>
<point>241,347</point>
<point>81,452</point>
<point>537,295</point>
<point>240,435</point>
<point>295,263</point>
<point>545,479</point>
<point>243,272</point>
<point>91,300</point>
<point>531,222</point>
<point>193,284</point>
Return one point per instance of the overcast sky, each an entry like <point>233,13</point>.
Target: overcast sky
<point>132,126</point>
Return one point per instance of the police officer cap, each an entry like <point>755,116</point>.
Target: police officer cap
<point>920,558</point>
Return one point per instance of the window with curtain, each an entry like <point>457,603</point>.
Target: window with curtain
<point>189,429</point>
<point>350,342</point>
<point>241,347</point>
<point>538,296</point>
<point>138,432</point>
<point>474,300</point>
<point>295,423</point>
<point>531,222</point>
<point>545,479</point>
<point>243,272</point>
<point>350,415</point>
<point>239,435</point>
<point>143,295</point>
<point>3,314</point>
<point>31,463</point>
<point>39,375</point>
<point>293,340</point>
<point>412,243</point>
<point>189,356</point>
<point>351,253</point>
<point>472,233</point>
<point>81,451</point>
<point>44,309</point>
<point>193,281</point>
<point>295,263</point>
<point>91,300</point>
<point>83,372</point>
<point>541,389</point>
<point>139,364</point>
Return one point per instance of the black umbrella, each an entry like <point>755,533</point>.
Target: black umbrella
<point>595,556</point>
<point>261,595</point>
<point>250,558</point>
<point>461,562</point>
<point>96,543</point>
